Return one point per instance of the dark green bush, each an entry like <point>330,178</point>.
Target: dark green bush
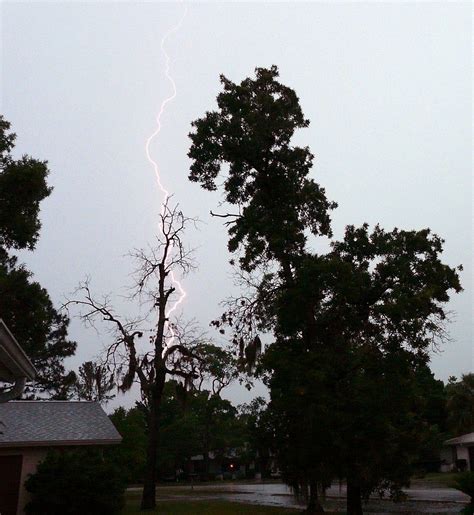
<point>75,483</point>
<point>465,483</point>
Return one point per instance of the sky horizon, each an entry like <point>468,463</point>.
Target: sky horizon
<point>387,88</point>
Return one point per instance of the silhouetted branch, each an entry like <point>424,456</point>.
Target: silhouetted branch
<point>227,215</point>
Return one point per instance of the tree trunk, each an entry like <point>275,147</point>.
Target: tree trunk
<point>205,462</point>
<point>206,459</point>
<point>354,500</point>
<point>314,506</point>
<point>149,483</point>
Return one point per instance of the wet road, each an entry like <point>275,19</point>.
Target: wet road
<point>420,500</point>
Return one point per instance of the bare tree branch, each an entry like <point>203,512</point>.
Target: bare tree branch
<point>226,215</point>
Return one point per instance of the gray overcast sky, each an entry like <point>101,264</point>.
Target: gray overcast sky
<point>387,88</point>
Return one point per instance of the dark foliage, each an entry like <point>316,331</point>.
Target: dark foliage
<point>460,405</point>
<point>353,328</point>
<point>357,375</point>
<point>199,423</point>
<point>129,457</point>
<point>258,427</point>
<point>267,178</point>
<point>22,187</point>
<point>94,382</point>
<point>465,483</point>
<point>202,424</point>
<point>25,306</point>
<point>75,483</point>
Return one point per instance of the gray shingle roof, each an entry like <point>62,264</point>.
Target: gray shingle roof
<point>31,423</point>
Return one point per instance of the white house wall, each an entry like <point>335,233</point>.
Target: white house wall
<point>463,454</point>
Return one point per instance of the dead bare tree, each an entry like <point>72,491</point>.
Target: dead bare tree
<point>171,347</point>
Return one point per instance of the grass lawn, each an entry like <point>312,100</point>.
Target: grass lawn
<point>441,479</point>
<point>206,507</point>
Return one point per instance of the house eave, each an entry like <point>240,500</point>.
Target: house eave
<point>466,440</point>
<point>15,363</point>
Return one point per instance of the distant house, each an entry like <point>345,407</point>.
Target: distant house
<point>458,453</point>
<point>29,429</point>
<point>233,464</point>
<point>219,466</point>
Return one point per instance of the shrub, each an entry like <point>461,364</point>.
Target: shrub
<point>130,455</point>
<point>465,483</point>
<point>75,483</point>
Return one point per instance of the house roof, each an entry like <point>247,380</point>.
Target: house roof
<point>55,423</point>
<point>466,439</point>
<point>14,363</point>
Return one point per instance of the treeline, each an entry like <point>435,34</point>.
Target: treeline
<point>201,424</point>
<point>208,427</point>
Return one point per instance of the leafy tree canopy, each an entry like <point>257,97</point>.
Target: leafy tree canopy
<point>22,187</point>
<point>267,176</point>
<point>353,335</point>
<point>95,382</point>
<point>386,287</point>
<point>353,328</point>
<point>460,405</point>
<point>24,305</point>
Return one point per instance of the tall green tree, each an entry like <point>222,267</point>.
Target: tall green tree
<point>433,412</point>
<point>259,435</point>
<point>218,369</point>
<point>94,382</point>
<point>246,145</point>
<point>25,306</point>
<point>460,405</point>
<point>267,179</point>
<point>351,327</point>
<point>377,305</point>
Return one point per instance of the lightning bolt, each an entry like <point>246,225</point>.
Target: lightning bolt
<point>166,194</point>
